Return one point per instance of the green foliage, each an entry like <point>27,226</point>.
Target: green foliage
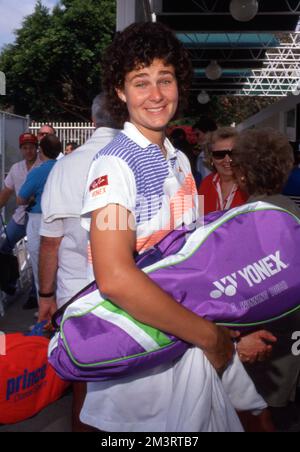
<point>229,110</point>
<point>225,110</point>
<point>53,70</point>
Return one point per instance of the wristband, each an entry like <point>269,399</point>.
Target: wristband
<point>46,295</point>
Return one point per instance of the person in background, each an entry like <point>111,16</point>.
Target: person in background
<point>64,243</point>
<point>179,140</point>
<point>16,228</point>
<point>45,130</point>
<point>292,187</point>
<point>70,147</point>
<point>220,189</point>
<point>31,194</point>
<point>202,129</point>
<point>262,161</point>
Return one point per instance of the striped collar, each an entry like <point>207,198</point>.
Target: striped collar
<point>132,132</point>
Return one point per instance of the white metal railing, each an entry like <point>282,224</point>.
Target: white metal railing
<point>78,132</point>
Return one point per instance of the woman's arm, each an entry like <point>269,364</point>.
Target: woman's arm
<point>5,194</point>
<point>22,201</point>
<point>131,289</point>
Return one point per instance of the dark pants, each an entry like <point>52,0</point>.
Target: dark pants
<point>15,232</point>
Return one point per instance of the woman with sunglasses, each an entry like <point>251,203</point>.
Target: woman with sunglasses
<point>220,189</point>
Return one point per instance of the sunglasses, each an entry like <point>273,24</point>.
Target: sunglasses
<point>220,155</point>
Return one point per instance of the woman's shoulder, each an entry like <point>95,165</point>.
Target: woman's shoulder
<point>121,146</point>
<point>207,182</point>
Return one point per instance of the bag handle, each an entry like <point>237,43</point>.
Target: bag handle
<point>60,312</point>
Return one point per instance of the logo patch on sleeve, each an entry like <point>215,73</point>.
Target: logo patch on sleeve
<point>99,183</point>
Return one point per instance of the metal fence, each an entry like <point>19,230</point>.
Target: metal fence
<point>11,127</point>
<point>78,132</point>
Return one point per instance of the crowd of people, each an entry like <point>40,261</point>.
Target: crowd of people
<point>146,77</point>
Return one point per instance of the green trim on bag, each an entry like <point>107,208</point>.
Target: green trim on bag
<point>116,360</point>
<point>159,337</point>
<point>265,322</point>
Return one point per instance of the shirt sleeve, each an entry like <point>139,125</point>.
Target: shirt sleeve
<point>55,229</point>
<point>29,187</point>
<point>110,181</point>
<point>9,180</point>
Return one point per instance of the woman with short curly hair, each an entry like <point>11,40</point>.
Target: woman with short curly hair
<point>262,161</point>
<point>142,179</point>
<point>137,47</point>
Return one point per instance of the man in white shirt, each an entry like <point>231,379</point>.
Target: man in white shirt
<point>16,177</point>
<point>16,228</point>
<point>64,243</point>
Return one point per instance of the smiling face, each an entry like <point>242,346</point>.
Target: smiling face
<point>223,166</point>
<point>151,95</point>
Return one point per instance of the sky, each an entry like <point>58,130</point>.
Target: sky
<point>12,13</point>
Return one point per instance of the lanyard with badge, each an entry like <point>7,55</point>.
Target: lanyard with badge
<point>224,204</point>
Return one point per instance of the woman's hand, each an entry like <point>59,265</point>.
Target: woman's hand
<point>221,351</point>
<point>256,346</point>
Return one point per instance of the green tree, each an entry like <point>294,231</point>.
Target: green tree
<point>53,70</point>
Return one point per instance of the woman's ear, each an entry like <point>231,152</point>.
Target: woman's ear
<point>121,95</point>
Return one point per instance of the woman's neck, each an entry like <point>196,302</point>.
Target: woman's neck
<point>226,180</point>
<point>155,136</point>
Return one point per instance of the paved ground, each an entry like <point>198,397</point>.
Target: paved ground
<point>55,418</point>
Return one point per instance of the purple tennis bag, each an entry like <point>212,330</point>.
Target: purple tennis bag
<point>241,270</point>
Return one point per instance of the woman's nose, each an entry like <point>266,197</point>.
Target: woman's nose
<point>155,93</point>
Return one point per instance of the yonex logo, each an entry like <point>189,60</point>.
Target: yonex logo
<point>253,274</point>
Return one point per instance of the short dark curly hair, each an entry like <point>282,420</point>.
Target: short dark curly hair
<point>136,47</point>
<point>264,158</point>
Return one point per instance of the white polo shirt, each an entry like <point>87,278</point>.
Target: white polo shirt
<point>133,172</point>
<point>185,395</point>
<point>14,181</point>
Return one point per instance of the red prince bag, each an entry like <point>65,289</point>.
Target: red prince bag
<point>27,382</point>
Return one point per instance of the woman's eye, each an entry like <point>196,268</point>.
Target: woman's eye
<point>141,85</point>
<point>166,82</point>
